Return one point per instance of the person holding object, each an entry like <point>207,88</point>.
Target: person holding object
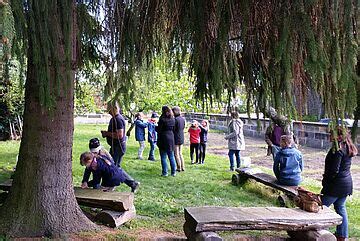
<point>115,135</point>
<point>288,162</point>
<point>337,181</point>
<point>236,140</point>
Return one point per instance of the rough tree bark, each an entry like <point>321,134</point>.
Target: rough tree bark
<point>42,200</point>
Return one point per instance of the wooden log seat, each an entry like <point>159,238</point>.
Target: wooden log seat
<point>118,207</point>
<point>243,174</point>
<point>202,222</point>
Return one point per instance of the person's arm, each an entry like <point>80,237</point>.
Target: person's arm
<point>142,124</point>
<point>232,133</point>
<point>301,161</point>
<point>276,165</point>
<point>275,150</point>
<point>85,179</point>
<point>334,168</point>
<point>118,134</point>
<point>267,136</point>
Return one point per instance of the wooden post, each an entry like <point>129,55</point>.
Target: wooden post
<point>312,235</point>
<point>192,235</point>
<point>114,219</point>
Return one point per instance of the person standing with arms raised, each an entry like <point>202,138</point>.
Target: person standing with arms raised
<point>115,134</point>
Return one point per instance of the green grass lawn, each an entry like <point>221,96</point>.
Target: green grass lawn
<point>161,200</point>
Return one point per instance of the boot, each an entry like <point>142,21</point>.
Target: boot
<point>134,185</point>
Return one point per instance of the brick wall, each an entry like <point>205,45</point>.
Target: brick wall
<point>310,134</point>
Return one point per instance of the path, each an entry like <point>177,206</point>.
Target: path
<point>256,149</point>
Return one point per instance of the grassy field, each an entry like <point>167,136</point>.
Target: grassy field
<point>160,200</point>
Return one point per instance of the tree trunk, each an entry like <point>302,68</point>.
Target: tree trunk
<point>42,200</point>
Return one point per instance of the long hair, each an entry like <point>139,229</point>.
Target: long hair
<point>166,112</point>
<point>344,138</point>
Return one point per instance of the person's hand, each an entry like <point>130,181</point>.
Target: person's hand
<point>84,185</point>
<point>103,133</point>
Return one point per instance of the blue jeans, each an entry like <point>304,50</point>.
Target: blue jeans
<point>231,157</point>
<point>340,208</point>
<point>117,152</point>
<point>170,155</point>
<point>152,149</point>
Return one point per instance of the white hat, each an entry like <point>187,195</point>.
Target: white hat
<point>96,150</point>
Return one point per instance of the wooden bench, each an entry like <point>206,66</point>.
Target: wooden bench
<point>202,222</point>
<point>243,174</point>
<point>118,207</point>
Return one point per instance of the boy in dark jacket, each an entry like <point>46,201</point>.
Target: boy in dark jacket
<point>288,163</point>
<point>104,171</point>
<point>152,135</point>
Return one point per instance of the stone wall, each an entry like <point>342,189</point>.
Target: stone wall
<point>310,134</point>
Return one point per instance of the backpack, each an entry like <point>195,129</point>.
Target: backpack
<point>308,201</point>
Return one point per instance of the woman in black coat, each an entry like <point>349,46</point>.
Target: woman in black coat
<point>165,130</point>
<point>337,182</point>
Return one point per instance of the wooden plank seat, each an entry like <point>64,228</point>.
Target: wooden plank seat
<point>243,174</point>
<point>118,207</point>
<point>202,222</point>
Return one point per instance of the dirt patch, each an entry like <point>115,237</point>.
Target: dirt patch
<point>314,159</point>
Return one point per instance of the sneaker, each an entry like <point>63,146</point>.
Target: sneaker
<point>173,175</point>
<point>140,158</point>
<point>183,169</point>
<point>164,175</point>
<point>151,159</point>
<point>135,187</point>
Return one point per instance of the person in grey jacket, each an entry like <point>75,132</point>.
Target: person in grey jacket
<point>236,140</point>
<point>288,162</point>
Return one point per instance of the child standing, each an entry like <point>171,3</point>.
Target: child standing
<point>152,135</point>
<point>194,132</point>
<point>140,126</point>
<point>203,139</point>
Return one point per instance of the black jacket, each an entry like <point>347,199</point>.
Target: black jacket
<point>179,130</point>
<point>165,130</point>
<point>337,181</point>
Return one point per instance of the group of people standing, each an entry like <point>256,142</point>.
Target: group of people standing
<point>168,135</point>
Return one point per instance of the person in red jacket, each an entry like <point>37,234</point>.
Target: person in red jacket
<point>194,131</point>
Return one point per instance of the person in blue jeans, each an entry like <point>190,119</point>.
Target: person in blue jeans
<point>140,126</point>
<point>166,142</point>
<point>236,140</point>
<point>288,162</point>
<point>152,135</point>
<point>337,181</point>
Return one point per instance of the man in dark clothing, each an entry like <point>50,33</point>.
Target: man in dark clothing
<point>115,135</point>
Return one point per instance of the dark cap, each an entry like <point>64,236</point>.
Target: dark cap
<point>154,115</point>
<point>94,145</point>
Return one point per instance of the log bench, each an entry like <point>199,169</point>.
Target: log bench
<point>117,207</point>
<point>243,174</point>
<point>202,222</point>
